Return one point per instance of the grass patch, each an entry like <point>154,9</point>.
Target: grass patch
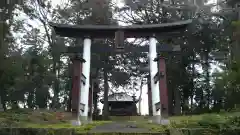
<point>58,123</point>
<point>129,118</point>
<point>41,119</point>
<point>208,122</point>
<point>82,128</point>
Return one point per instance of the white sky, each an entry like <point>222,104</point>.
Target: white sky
<point>144,102</point>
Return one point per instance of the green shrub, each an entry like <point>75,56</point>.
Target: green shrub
<point>63,131</point>
<point>7,123</point>
<point>233,131</point>
<point>72,131</point>
<point>234,121</point>
<point>188,123</point>
<point>212,121</point>
<point>35,131</point>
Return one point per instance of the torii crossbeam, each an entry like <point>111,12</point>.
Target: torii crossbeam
<point>120,33</point>
<point>106,31</point>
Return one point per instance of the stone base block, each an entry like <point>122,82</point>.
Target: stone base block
<point>76,122</point>
<point>159,120</point>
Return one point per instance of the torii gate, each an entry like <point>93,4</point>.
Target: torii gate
<point>120,33</point>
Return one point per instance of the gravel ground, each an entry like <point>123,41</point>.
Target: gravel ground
<point>121,127</point>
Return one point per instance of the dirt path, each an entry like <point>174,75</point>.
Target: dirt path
<point>121,127</point>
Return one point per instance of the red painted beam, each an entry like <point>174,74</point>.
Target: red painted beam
<point>163,86</point>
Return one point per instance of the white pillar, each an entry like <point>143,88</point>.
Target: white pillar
<point>153,70</point>
<point>86,72</point>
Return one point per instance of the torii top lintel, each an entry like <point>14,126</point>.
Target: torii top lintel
<point>108,31</point>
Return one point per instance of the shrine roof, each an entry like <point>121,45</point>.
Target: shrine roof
<point>120,97</point>
<point>108,31</point>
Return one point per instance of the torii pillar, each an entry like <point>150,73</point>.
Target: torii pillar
<point>161,78</point>
<point>86,72</point>
<point>77,79</point>
<point>163,86</point>
<point>155,92</point>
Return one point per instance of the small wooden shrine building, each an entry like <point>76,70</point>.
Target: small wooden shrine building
<point>122,104</point>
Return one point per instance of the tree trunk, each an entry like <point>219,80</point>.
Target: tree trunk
<point>69,104</point>
<point>90,99</point>
<point>170,100</point>
<point>55,86</point>
<point>2,104</point>
<point>95,96</point>
<point>140,97</point>
<point>150,110</point>
<point>5,14</point>
<point>186,106</point>
<point>193,85</point>
<point>208,87</point>
<point>70,72</point>
<point>15,105</point>
<point>30,99</point>
<point>106,90</point>
<point>206,67</point>
<point>202,102</point>
<point>177,104</point>
<point>95,101</point>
